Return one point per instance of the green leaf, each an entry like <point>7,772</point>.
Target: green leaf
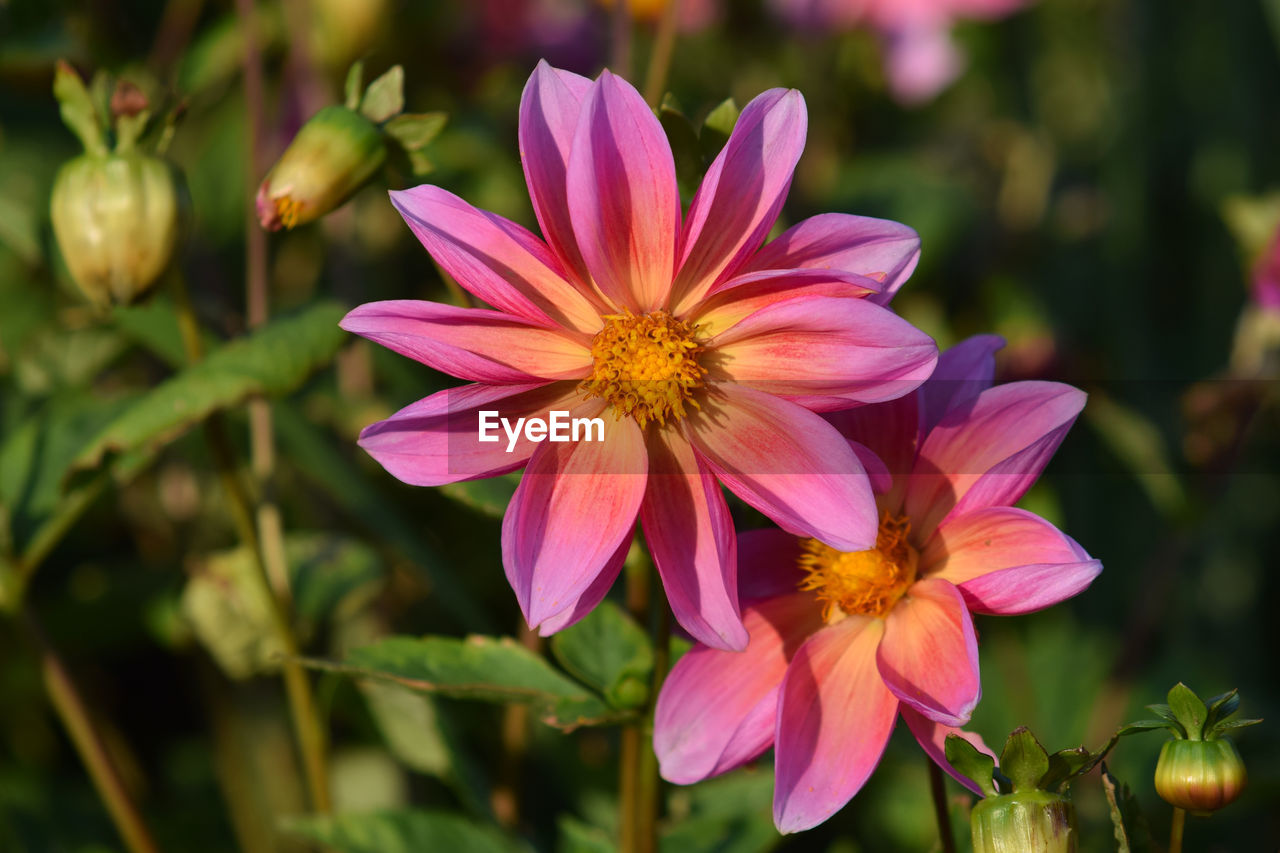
<point>487,497</point>
<point>488,669</point>
<point>1065,765</point>
<point>1024,760</point>
<point>77,108</point>
<point>329,574</point>
<point>272,362</point>
<point>716,128</point>
<point>1222,706</point>
<point>402,832</point>
<point>1231,725</point>
<point>1146,726</point>
<point>385,96</point>
<point>683,138</point>
<point>1131,831</point>
<point>414,130</point>
<point>610,652</point>
<point>729,814</point>
<point>354,84</point>
<point>1188,710</point>
<point>576,836</point>
<point>972,763</point>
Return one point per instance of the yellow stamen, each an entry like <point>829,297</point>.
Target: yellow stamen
<point>645,366</point>
<point>288,209</point>
<point>868,582</point>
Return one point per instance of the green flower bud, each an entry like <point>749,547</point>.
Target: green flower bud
<point>1031,821</point>
<point>1200,775</point>
<point>332,156</point>
<point>116,220</point>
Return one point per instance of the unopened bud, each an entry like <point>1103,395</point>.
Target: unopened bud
<point>332,156</point>
<point>1200,775</point>
<point>1031,821</point>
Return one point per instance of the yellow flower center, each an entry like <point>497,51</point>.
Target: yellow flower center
<point>645,366</point>
<point>288,210</point>
<point>868,582</point>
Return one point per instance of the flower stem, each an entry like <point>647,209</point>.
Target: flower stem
<point>648,782</point>
<point>1175,830</point>
<point>88,742</point>
<point>639,788</point>
<point>660,60</point>
<point>938,788</point>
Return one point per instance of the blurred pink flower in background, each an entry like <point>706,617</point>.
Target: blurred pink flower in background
<point>706,355</point>
<point>844,642</point>
<point>921,59</point>
<point>1266,276</point>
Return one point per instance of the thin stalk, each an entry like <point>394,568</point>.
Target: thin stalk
<point>663,47</point>
<point>88,742</point>
<point>49,534</point>
<point>1175,830</point>
<point>648,782</point>
<point>938,788</point>
<point>620,35</point>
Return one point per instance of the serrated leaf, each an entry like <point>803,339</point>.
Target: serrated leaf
<point>272,362</point>
<point>487,669</point>
<point>76,106</point>
<point>610,652</point>
<point>414,130</point>
<point>972,763</point>
<point>685,147</point>
<point>1024,760</point>
<point>385,96</point>
<point>402,832</point>
<point>1222,706</point>
<point>1131,831</point>
<point>1064,765</point>
<point>1188,710</point>
<point>717,127</point>
<point>354,85</point>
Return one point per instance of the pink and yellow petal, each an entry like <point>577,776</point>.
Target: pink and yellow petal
<point>732,301</point>
<point>932,738</point>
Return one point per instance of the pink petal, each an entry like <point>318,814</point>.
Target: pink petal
<point>437,439</point>
<point>788,463</point>
<point>549,111</point>
<point>574,508</point>
<point>734,300</point>
<point>495,259</point>
<point>920,61</point>
<point>964,371</point>
<point>716,709</point>
<point>877,471</point>
<point>1008,561</point>
<point>622,196</point>
<point>690,535</point>
<point>591,596</point>
<point>877,248</point>
<point>834,720</point>
<point>929,657</point>
<point>768,564</point>
<point>889,431</point>
<point>471,343</point>
<point>742,193</point>
<point>932,738</point>
<point>825,353</point>
<point>989,453</point>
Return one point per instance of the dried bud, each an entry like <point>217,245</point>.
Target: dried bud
<point>332,156</point>
<point>1030,821</point>
<point>1200,775</point>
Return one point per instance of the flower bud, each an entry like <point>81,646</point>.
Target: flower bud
<point>1200,775</point>
<point>1032,821</point>
<point>332,156</point>
<point>116,219</point>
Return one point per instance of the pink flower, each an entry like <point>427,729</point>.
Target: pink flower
<point>920,57</point>
<point>705,354</point>
<point>1266,277</point>
<point>843,642</point>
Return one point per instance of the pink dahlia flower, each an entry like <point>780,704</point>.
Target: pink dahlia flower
<point>842,642</point>
<point>705,355</point>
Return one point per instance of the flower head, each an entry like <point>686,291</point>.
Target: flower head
<point>845,640</point>
<point>705,355</point>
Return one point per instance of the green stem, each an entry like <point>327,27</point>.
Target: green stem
<point>1175,830</point>
<point>648,782</point>
<point>88,742</point>
<point>660,60</point>
<point>938,788</point>
<point>49,534</point>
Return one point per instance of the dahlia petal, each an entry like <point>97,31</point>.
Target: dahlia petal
<point>574,508</point>
<point>932,738</point>
<point>878,248</point>
<point>825,353</point>
<point>929,656</point>
<point>877,471</point>
<point>717,708</point>
<point>964,371</point>
<point>437,439</point>
<point>690,534</point>
<point>991,452</point>
<point>889,431</point>
<point>835,716</point>
<point>495,259</point>
<point>788,463</point>
<point>622,196</point>
<point>1008,561</point>
<point>737,298</point>
<point>768,564</point>
<point>591,596</point>
<point>742,193</point>
<point>549,110</point>
<point>471,343</point>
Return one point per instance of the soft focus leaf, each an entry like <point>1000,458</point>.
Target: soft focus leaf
<point>716,128</point>
<point>970,762</point>
<point>728,814</point>
<point>1138,444</point>
<point>385,96</point>
<point>354,85</point>
<point>487,497</point>
<point>574,836</point>
<point>1131,831</point>
<point>77,108</point>
<point>690,164</point>
<point>610,652</point>
<point>271,362</point>
<point>402,832</point>
<point>1024,760</point>
<point>414,130</point>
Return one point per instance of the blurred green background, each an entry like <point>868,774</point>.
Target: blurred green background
<point>1089,188</point>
